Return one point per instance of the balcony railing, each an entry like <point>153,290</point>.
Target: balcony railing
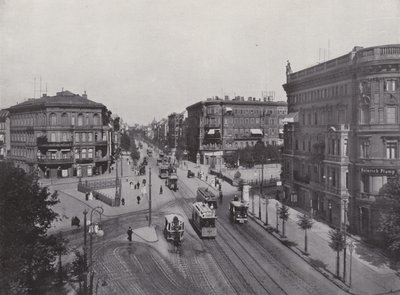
<point>54,144</point>
<point>46,160</point>
<point>101,142</point>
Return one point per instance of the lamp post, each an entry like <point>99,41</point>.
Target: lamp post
<point>351,248</point>
<point>277,216</point>
<point>345,235</point>
<point>92,230</point>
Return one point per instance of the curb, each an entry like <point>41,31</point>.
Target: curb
<point>326,274</point>
<point>147,241</point>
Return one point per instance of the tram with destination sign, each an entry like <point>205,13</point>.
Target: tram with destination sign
<point>238,211</point>
<point>204,195</point>
<point>204,220</point>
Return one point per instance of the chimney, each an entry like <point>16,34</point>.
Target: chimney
<point>84,95</point>
<point>44,95</point>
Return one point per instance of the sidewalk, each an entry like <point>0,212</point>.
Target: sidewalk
<point>371,272</point>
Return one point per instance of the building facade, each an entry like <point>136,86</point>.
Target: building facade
<point>175,124</point>
<point>218,127</point>
<point>60,136</point>
<point>4,134</point>
<point>342,136</point>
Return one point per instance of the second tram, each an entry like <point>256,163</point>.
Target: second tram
<point>174,227</point>
<point>238,211</point>
<point>204,220</point>
<point>163,171</point>
<point>206,196</point>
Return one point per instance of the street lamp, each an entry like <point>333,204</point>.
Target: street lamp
<point>277,216</point>
<point>93,229</point>
<point>351,248</point>
<point>345,234</point>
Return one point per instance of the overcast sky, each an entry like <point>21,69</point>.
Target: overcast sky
<point>148,58</point>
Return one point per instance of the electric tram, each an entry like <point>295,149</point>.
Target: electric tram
<point>174,227</point>
<point>204,220</point>
<point>163,171</point>
<point>238,211</point>
<point>206,196</point>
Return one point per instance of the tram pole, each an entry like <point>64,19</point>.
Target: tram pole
<point>149,196</point>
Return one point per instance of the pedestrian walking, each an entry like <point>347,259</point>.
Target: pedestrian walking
<point>87,196</point>
<point>206,177</point>
<point>130,232</point>
<point>161,190</point>
<point>123,202</point>
<point>138,185</point>
<point>138,199</point>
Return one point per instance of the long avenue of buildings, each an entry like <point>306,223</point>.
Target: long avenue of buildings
<point>338,132</point>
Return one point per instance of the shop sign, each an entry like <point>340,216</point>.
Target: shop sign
<point>379,171</point>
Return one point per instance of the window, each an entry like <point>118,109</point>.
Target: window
<point>345,147</point>
<point>64,119</point>
<point>73,120</point>
<point>76,154</point>
<point>391,150</point>
<point>96,120</point>
<point>90,137</point>
<point>83,137</point>
<point>83,154</point>
<point>64,137</point>
<point>90,153</point>
<point>315,118</point>
<point>80,120</point>
<point>53,137</point>
<point>53,119</point>
<point>390,85</point>
<point>391,115</point>
<point>365,149</point>
<point>54,155</point>
<point>87,119</point>
<point>77,137</point>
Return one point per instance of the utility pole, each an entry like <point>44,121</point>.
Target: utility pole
<point>261,190</point>
<point>149,196</point>
<point>345,240</point>
<point>85,289</point>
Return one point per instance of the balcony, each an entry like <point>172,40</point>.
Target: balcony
<point>45,160</point>
<point>45,143</point>
<point>374,197</point>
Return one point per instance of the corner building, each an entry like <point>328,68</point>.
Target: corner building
<point>342,137</point>
<point>218,127</point>
<point>60,136</point>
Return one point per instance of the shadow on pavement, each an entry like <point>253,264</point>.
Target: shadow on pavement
<point>374,256</point>
<point>318,263</point>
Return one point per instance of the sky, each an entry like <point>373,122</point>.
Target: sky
<point>145,59</point>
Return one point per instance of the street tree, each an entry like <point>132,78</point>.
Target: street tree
<point>305,223</point>
<point>337,244</point>
<point>390,220</point>
<point>27,253</point>
<point>284,215</point>
<point>79,270</point>
<point>125,141</point>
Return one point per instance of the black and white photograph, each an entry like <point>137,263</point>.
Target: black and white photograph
<point>154,147</point>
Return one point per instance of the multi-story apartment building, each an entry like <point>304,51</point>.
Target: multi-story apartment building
<point>175,122</point>
<point>60,136</point>
<point>216,127</point>
<point>4,134</point>
<point>342,139</point>
<point>161,132</point>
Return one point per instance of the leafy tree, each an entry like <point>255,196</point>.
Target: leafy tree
<point>390,220</point>
<point>125,141</point>
<point>337,243</point>
<point>27,253</point>
<point>80,269</point>
<point>284,215</point>
<point>305,223</point>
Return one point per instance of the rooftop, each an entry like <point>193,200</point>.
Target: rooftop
<point>63,98</point>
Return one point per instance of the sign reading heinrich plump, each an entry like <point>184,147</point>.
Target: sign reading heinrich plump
<point>379,171</point>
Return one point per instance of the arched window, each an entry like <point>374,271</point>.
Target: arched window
<point>64,119</point>
<point>87,119</point>
<point>96,119</point>
<point>80,120</point>
<point>53,119</point>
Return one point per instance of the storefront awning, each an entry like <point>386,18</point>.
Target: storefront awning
<point>256,132</point>
<point>291,118</point>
